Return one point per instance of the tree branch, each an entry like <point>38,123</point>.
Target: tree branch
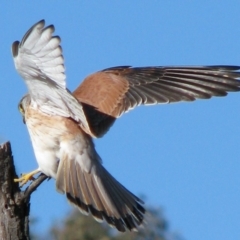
<point>34,185</point>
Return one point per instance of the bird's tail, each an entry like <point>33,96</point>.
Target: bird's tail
<point>99,193</point>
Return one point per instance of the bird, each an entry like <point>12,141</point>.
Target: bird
<point>63,124</point>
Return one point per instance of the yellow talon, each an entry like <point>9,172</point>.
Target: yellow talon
<point>25,177</point>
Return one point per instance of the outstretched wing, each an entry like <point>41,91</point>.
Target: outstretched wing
<point>107,94</point>
<point>38,59</point>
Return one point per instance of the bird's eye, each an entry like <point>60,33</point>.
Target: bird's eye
<point>20,108</point>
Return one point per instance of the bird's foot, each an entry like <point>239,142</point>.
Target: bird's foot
<point>25,177</point>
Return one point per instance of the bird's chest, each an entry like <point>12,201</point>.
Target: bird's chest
<point>46,133</point>
<point>53,136</point>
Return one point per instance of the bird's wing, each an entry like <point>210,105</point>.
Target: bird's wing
<point>107,94</point>
<point>38,59</point>
<point>39,55</point>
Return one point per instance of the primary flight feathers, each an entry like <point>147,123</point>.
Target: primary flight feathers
<point>51,109</point>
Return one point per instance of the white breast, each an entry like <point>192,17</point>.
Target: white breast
<point>46,147</point>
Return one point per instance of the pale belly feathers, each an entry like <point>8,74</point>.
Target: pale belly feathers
<point>55,136</point>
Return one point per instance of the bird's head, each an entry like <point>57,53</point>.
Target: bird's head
<point>23,104</point>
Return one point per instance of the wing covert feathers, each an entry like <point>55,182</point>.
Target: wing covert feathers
<point>99,194</point>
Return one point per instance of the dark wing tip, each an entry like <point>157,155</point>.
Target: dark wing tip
<point>225,67</point>
<point>51,26</point>
<point>41,22</point>
<point>117,68</point>
<point>39,25</point>
<point>15,45</point>
<point>15,48</point>
<point>59,39</point>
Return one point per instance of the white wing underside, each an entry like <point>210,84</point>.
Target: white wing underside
<point>38,59</point>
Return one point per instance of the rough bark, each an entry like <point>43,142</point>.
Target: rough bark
<point>14,203</point>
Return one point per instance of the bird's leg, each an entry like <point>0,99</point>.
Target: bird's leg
<point>25,177</point>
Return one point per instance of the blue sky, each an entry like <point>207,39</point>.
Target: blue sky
<point>183,157</point>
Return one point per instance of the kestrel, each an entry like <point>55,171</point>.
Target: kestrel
<point>62,124</point>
